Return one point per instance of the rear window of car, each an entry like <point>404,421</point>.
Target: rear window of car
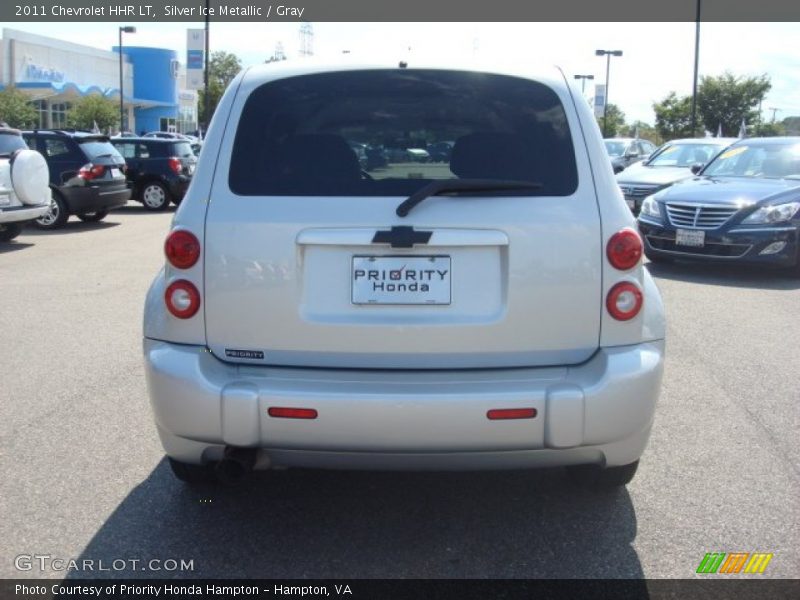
<point>96,148</point>
<point>182,149</point>
<point>377,133</point>
<point>10,142</point>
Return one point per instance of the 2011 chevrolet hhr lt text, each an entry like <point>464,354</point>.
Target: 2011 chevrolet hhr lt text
<point>487,310</point>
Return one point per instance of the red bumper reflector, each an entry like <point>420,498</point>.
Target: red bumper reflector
<point>292,413</point>
<point>511,413</point>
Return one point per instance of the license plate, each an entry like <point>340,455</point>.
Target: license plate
<point>116,173</point>
<point>400,280</point>
<point>690,237</point>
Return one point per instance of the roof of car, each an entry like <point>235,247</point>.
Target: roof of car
<point>10,131</point>
<point>67,133</point>
<point>258,74</point>
<point>704,140</point>
<point>770,140</point>
<point>149,140</point>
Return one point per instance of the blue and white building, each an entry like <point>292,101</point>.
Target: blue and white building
<point>55,73</point>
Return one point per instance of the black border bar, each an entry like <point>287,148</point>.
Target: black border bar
<point>154,11</point>
<point>711,587</point>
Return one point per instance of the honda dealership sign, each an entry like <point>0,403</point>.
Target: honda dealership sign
<point>195,58</point>
<point>599,99</point>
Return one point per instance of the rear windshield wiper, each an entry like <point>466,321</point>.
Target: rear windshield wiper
<point>452,186</point>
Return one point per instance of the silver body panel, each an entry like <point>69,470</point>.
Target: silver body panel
<point>405,387</point>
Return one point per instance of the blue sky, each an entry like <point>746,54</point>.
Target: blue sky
<point>658,57</point>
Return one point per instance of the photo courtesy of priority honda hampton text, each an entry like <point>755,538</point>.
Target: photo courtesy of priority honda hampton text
<point>335,297</point>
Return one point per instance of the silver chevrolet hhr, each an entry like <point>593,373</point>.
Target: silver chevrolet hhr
<point>337,296</point>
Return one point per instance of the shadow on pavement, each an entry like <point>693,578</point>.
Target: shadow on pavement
<point>136,208</point>
<point>355,524</point>
<point>13,246</point>
<point>73,226</point>
<point>729,275</point>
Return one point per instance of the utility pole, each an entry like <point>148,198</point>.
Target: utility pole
<point>696,64</point>
<point>206,116</point>
<point>774,110</point>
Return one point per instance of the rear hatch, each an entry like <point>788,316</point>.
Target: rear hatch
<point>307,262</point>
<point>109,166</point>
<point>185,156</point>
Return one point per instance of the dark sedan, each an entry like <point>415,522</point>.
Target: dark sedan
<point>673,161</point>
<point>744,206</point>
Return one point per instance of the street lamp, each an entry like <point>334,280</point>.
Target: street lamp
<point>583,79</point>
<point>608,54</point>
<point>126,29</point>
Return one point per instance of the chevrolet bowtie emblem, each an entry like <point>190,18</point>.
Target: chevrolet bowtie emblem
<point>402,237</point>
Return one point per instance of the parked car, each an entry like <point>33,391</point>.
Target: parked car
<point>158,170</point>
<point>671,162</point>
<point>87,175</point>
<point>624,152</point>
<point>492,315</point>
<point>742,208</point>
<point>24,180</point>
<point>440,151</point>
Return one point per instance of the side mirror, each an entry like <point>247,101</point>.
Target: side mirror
<point>697,167</point>
<point>632,154</point>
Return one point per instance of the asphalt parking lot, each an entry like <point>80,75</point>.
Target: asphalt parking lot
<point>85,476</point>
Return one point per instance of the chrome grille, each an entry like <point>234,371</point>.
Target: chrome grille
<point>637,191</point>
<point>699,216</point>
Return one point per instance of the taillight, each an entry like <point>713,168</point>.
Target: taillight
<point>282,412</point>
<point>182,298</point>
<point>175,164</point>
<point>182,249</point>
<point>90,171</point>
<point>624,249</point>
<point>624,301</point>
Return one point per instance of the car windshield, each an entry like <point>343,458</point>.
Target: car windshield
<point>615,148</point>
<point>367,133</point>
<point>754,159</point>
<point>9,142</point>
<point>683,155</point>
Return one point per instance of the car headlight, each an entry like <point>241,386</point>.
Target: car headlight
<point>650,208</point>
<point>777,213</point>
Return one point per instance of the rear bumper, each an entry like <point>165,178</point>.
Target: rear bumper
<point>599,412</point>
<point>17,214</point>
<point>83,199</point>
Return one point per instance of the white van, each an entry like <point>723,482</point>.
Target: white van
<point>486,312</point>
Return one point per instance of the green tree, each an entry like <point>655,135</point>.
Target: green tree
<point>615,121</point>
<point>92,109</point>
<point>769,129</point>
<point>222,68</point>
<point>674,117</point>
<point>726,100</point>
<point>643,130</point>
<point>16,109</point>
<point>792,125</point>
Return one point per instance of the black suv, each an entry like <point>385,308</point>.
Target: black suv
<point>159,170</point>
<point>86,175</point>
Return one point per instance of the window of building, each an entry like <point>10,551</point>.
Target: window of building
<point>58,114</point>
<point>41,111</point>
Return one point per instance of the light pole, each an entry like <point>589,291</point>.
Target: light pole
<point>126,29</point>
<point>608,54</point>
<point>696,65</point>
<point>583,79</point>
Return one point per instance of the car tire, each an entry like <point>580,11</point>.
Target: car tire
<point>93,217</point>
<point>597,477</point>
<point>155,196</point>
<point>9,231</point>
<point>189,473</point>
<point>57,216</point>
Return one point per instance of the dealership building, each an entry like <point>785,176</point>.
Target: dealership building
<point>55,73</point>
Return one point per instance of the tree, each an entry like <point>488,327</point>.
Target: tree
<point>91,110</point>
<point>674,117</point>
<point>615,121</point>
<point>769,129</point>
<point>642,130</point>
<point>16,109</point>
<point>792,125</point>
<point>222,68</point>
<point>728,99</point>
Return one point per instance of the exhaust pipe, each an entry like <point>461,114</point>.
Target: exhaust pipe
<point>236,465</point>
